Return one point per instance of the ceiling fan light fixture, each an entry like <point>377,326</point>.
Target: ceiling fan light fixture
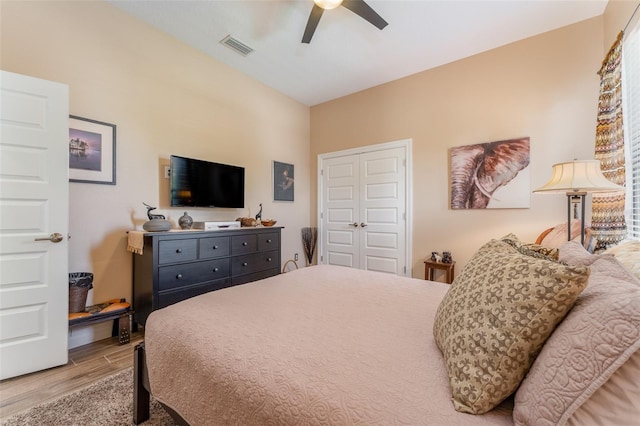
<point>328,4</point>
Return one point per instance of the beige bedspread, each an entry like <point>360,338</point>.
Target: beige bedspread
<point>323,345</point>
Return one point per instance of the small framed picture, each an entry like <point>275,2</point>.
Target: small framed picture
<point>92,151</point>
<point>282,181</point>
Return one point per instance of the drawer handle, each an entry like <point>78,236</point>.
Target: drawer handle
<point>215,247</point>
<point>216,269</point>
<point>179,276</point>
<point>244,263</point>
<point>179,251</point>
<point>269,240</point>
<point>268,259</point>
<point>244,243</point>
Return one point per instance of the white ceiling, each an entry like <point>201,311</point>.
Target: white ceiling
<point>347,54</point>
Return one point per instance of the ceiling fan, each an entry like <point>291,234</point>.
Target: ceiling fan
<point>359,7</point>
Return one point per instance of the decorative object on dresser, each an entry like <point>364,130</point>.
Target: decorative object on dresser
<point>258,221</point>
<point>157,222</point>
<point>247,221</point>
<point>178,265</point>
<point>185,221</point>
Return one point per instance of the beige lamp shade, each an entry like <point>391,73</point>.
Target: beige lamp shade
<point>328,4</point>
<point>578,176</point>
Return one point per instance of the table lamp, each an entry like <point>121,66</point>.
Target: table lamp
<point>577,178</point>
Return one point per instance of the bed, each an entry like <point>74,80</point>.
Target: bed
<point>330,345</point>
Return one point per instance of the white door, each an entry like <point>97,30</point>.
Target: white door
<point>34,199</point>
<point>364,207</point>
<point>339,236</point>
<point>382,211</point>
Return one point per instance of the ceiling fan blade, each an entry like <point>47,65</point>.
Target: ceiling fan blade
<point>312,23</point>
<point>362,9</point>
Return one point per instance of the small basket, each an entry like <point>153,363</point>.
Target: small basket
<point>247,221</point>
<point>79,285</point>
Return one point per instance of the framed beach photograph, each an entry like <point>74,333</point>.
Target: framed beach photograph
<point>282,181</point>
<point>92,151</point>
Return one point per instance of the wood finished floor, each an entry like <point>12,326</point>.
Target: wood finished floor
<point>86,365</point>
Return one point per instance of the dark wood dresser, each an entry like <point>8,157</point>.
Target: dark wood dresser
<point>178,265</point>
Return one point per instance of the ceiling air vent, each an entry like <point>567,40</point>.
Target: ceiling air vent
<point>236,45</point>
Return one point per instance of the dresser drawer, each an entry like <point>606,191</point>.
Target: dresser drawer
<point>255,276</point>
<point>254,262</point>
<point>174,251</point>
<point>268,241</point>
<point>214,247</point>
<point>242,244</point>
<point>171,277</point>
<point>167,298</point>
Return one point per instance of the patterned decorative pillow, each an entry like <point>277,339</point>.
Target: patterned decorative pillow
<point>600,334</point>
<point>495,318</point>
<point>534,250</point>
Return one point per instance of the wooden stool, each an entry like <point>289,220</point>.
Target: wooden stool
<point>431,265</point>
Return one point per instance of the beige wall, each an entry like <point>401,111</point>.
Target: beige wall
<point>165,99</point>
<point>616,16</point>
<point>544,87</point>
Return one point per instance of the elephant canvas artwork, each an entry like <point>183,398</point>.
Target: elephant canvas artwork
<point>491,175</point>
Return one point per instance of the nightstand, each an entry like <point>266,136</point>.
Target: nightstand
<point>431,265</point>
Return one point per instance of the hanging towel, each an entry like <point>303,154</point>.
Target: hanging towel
<point>136,241</point>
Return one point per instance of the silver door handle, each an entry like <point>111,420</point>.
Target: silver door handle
<point>54,238</point>
<point>363,225</point>
<point>354,224</point>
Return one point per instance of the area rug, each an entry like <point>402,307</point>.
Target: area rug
<point>107,402</point>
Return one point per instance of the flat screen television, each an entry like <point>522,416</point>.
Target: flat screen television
<point>199,183</point>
